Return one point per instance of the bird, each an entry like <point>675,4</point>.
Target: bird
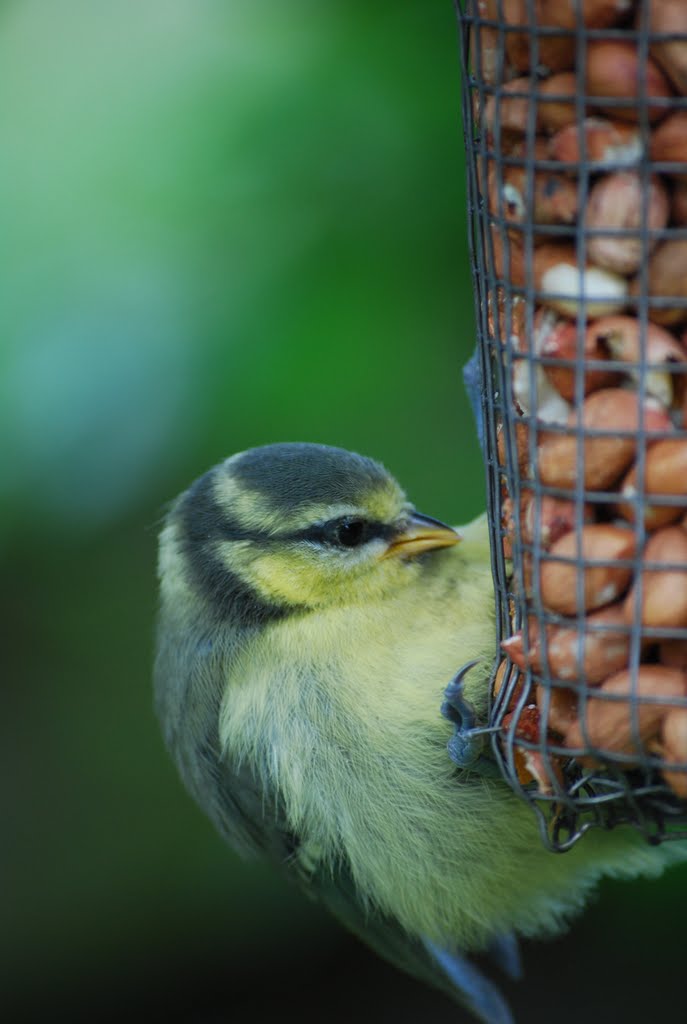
<point>310,619</point>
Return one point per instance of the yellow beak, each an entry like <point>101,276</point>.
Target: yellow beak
<point>422,533</point>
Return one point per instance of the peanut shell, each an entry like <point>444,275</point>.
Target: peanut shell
<point>545,770</point>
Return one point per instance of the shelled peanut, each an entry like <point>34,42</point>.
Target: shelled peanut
<point>585,187</point>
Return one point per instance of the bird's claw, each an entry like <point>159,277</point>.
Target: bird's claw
<point>466,746</point>
<point>455,707</point>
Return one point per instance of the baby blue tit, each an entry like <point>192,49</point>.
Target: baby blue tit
<point>310,621</point>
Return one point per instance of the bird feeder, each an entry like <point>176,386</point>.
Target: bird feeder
<point>575,119</point>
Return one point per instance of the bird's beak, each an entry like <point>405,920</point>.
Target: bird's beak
<point>421,533</point>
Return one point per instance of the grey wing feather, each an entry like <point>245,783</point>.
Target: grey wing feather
<point>448,970</point>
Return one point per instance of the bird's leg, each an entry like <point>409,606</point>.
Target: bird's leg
<point>467,746</point>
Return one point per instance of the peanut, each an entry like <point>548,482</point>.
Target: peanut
<point>667,279</point>
<point>546,519</point>
<point>673,653</point>
<point>588,654</point>
<point>615,202</point>
<point>613,73</point>
<point>594,555</point>
<point>615,412</point>
<point>674,749</point>
<point>678,202</point>
<point>554,196</point>
<point>559,708</point>
<point>566,287</point>
<point>553,98</point>
<point>612,726</point>
<point>650,347</point>
<point>663,598</point>
<point>556,338</point>
<point>668,141</point>
<point>665,474</point>
<point>670,16</point>
<point>604,142</point>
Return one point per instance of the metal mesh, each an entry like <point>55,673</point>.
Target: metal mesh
<point>575,117</point>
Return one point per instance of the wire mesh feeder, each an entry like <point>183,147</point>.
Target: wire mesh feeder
<point>575,119</point>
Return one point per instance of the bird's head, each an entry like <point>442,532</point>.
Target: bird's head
<point>289,527</point>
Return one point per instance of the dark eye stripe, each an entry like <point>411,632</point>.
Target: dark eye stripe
<point>333,533</point>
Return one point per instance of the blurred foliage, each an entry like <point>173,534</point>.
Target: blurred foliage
<point>224,222</point>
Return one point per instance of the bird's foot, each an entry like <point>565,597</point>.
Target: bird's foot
<point>467,747</point>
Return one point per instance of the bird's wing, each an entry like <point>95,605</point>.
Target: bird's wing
<point>448,970</point>
<point>251,820</point>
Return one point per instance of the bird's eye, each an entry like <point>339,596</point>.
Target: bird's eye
<point>350,533</point>
<point>347,532</point>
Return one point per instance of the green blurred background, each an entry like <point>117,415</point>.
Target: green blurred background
<point>223,224</point>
